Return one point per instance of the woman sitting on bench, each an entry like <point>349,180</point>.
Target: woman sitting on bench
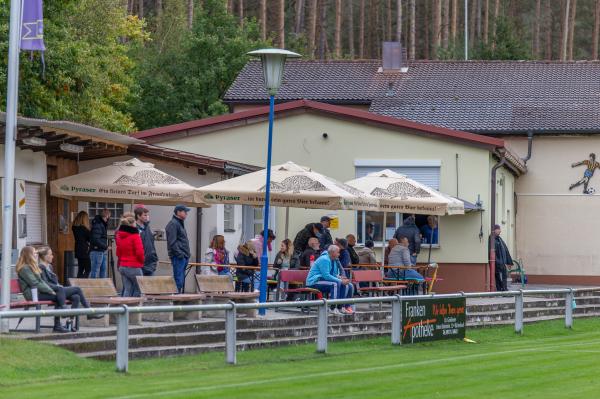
<point>30,277</point>
<point>73,294</point>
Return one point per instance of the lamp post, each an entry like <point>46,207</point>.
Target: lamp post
<point>273,62</point>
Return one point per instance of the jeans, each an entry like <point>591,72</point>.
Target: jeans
<point>83,267</point>
<point>130,285</point>
<point>179,265</point>
<point>98,259</point>
<point>413,260</point>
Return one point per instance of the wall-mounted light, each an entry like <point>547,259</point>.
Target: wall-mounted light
<point>35,141</point>
<point>72,148</point>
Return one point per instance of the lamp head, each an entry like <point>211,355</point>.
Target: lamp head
<point>273,61</point>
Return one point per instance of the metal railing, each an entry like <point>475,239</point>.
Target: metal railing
<point>230,309</point>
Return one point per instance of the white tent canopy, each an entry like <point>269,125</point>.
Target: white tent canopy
<point>398,193</point>
<point>127,181</point>
<point>292,186</point>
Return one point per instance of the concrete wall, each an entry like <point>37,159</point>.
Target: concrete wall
<point>299,138</point>
<point>557,229</point>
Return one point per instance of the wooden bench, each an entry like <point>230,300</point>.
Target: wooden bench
<point>102,292</point>
<point>296,277</point>
<point>162,290</point>
<point>220,289</point>
<point>15,289</point>
<point>375,280</point>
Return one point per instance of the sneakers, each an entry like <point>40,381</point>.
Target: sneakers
<point>334,311</point>
<point>94,316</point>
<point>348,310</point>
<point>60,329</point>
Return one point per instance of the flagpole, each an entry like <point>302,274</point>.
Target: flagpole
<point>12,98</point>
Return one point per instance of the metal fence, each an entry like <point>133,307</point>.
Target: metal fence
<point>123,312</point>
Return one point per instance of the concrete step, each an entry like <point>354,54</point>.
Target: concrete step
<point>241,345</point>
<point>83,345</point>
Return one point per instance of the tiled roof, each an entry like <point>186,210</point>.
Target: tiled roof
<point>331,81</point>
<point>478,96</point>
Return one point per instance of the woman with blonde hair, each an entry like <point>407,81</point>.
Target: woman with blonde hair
<point>81,232</point>
<point>284,256</point>
<point>217,254</point>
<point>30,278</point>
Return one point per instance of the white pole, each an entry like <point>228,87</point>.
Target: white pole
<point>466,30</point>
<point>12,97</point>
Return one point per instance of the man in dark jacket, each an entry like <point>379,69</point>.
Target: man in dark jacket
<point>312,250</point>
<point>325,240</point>
<point>503,258</point>
<point>354,259</point>
<point>99,244</point>
<point>142,219</point>
<point>311,230</point>
<point>410,230</point>
<point>178,245</point>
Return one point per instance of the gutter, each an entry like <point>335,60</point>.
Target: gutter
<point>492,255</point>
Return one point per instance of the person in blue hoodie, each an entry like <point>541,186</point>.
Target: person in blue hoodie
<point>326,275</point>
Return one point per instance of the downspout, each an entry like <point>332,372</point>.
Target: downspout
<point>492,257</point>
<point>529,146</point>
<point>198,238</point>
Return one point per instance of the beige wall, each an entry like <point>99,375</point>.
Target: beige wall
<point>557,229</point>
<point>299,138</point>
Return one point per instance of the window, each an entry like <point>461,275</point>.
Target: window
<point>116,211</point>
<point>429,227</point>
<point>228,218</point>
<point>370,224</point>
<point>253,221</point>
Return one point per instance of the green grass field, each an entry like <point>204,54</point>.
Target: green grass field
<point>548,361</point>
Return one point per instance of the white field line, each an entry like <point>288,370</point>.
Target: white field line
<point>551,348</point>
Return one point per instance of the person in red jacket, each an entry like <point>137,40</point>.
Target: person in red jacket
<point>130,252</point>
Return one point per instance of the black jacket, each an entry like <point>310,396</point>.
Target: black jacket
<point>82,242</point>
<point>301,240</point>
<point>354,259</point>
<point>410,230</point>
<point>99,234</point>
<point>502,254</point>
<point>150,255</point>
<point>245,260</point>
<point>305,257</point>
<point>326,240</point>
<point>49,277</point>
<point>178,245</point>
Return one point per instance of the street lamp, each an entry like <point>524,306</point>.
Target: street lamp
<point>273,61</point>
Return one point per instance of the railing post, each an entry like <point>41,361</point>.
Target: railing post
<point>569,299</point>
<point>397,320</point>
<point>519,312</point>
<point>322,328</point>
<point>123,340</point>
<point>230,335</point>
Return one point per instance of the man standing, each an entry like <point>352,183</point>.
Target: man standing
<point>410,230</point>
<point>142,219</point>
<point>99,244</point>
<point>178,245</point>
<point>325,240</point>
<point>503,259</point>
<point>354,259</point>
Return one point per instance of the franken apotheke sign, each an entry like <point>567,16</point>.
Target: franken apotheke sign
<point>433,319</point>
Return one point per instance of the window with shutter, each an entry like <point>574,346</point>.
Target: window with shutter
<point>33,208</point>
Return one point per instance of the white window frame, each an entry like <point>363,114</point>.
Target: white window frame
<point>229,218</point>
<point>116,211</point>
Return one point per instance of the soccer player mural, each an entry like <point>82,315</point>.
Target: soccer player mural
<point>591,165</point>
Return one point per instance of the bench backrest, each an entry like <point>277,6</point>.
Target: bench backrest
<point>156,285</point>
<point>15,288</point>
<point>288,276</point>
<point>208,283</point>
<point>95,287</point>
<point>367,276</point>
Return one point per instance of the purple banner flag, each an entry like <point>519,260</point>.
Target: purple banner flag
<point>32,28</point>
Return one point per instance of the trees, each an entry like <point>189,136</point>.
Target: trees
<point>184,76</point>
<point>508,45</point>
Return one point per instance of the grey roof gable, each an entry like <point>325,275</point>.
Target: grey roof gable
<point>478,96</point>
